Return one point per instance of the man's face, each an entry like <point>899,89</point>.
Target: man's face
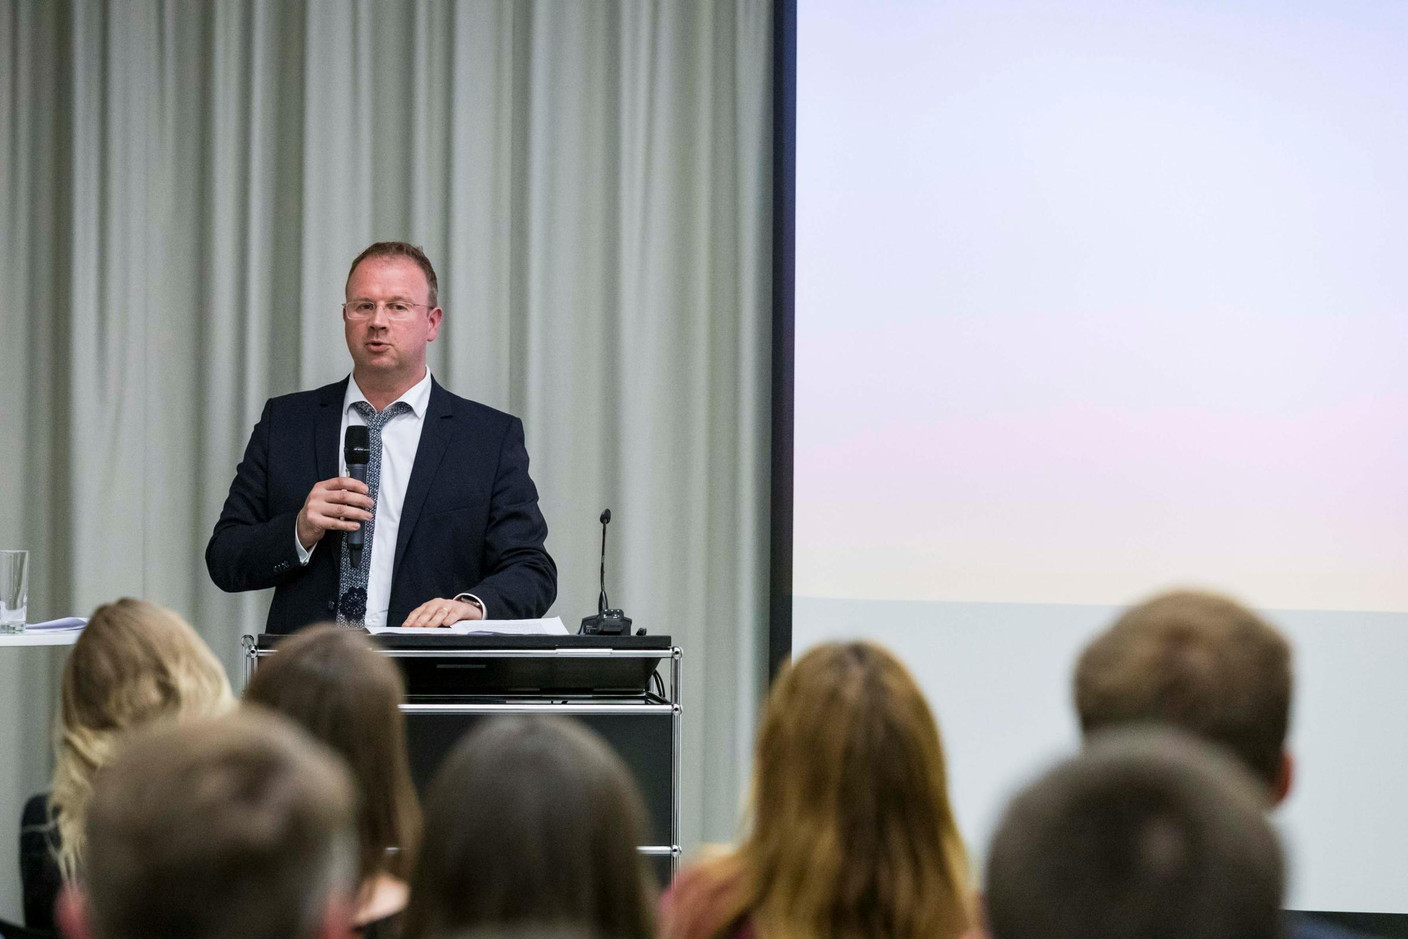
<point>383,345</point>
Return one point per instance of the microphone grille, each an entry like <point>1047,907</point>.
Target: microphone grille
<point>357,443</point>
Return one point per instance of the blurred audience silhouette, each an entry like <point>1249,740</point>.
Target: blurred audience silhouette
<point>336,685</point>
<point>852,834</point>
<point>239,828</point>
<point>1210,666</point>
<point>135,664</point>
<point>532,823</point>
<point>1146,833</point>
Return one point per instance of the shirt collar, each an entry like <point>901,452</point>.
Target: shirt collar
<point>417,396</point>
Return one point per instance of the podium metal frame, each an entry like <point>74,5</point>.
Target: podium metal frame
<point>569,705</point>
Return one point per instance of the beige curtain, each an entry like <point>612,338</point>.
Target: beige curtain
<point>182,186</point>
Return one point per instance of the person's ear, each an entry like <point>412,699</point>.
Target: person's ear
<point>1285,775</point>
<point>71,914</point>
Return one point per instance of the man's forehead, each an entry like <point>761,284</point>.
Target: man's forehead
<point>384,274</point>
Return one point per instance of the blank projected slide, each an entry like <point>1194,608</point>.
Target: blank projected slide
<point>1095,299</point>
<point>1098,297</point>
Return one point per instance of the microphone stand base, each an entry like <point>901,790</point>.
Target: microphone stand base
<point>606,623</point>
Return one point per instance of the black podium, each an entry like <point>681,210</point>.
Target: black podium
<point>612,684</point>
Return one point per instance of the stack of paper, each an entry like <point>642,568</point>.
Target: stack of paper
<point>485,627</point>
<point>66,624</point>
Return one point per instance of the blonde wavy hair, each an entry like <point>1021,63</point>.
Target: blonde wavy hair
<point>134,664</point>
<point>852,834</point>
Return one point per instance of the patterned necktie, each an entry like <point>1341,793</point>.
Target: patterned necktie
<point>352,581</point>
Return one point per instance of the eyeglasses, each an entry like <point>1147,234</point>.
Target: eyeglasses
<point>395,309</point>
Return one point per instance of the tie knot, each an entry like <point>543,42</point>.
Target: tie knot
<point>377,419</point>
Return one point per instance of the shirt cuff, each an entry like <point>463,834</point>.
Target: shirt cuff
<point>471,598</point>
<point>303,553</point>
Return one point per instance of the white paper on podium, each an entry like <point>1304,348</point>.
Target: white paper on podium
<point>551,626</point>
<point>67,623</point>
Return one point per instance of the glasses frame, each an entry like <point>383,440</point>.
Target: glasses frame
<point>380,305</point>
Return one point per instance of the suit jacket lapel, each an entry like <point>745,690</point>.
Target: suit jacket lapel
<point>326,426</point>
<point>435,436</point>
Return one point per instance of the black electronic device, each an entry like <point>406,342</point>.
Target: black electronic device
<point>357,451</point>
<point>606,622</point>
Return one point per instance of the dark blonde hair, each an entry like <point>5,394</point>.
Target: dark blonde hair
<point>235,828</point>
<point>852,831</point>
<point>532,823</point>
<point>1197,661</point>
<point>135,663</point>
<point>338,686</point>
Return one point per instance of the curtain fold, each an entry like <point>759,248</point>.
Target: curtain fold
<point>184,184</point>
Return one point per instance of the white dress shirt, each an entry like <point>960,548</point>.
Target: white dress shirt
<point>400,437</point>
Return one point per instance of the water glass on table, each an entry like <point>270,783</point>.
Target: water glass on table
<point>14,590</point>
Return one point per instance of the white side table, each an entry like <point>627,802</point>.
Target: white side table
<point>41,637</point>
<point>24,737</point>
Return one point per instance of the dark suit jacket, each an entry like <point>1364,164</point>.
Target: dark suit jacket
<point>40,880</point>
<point>470,522</point>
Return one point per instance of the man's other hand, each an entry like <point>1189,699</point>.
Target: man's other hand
<point>338,504</point>
<point>439,612</point>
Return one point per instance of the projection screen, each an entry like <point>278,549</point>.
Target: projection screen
<point>1096,299</point>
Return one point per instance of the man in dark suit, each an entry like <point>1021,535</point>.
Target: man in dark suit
<point>453,527</point>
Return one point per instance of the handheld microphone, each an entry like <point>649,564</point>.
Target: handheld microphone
<point>357,450</point>
<point>606,622</point>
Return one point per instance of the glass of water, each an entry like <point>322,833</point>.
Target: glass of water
<point>14,590</point>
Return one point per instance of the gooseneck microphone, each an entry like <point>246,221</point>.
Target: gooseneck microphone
<point>606,622</point>
<point>601,602</point>
<point>357,450</point>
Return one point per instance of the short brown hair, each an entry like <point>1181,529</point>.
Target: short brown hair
<point>1147,832</point>
<point>401,249</point>
<point>1198,661</point>
<point>235,828</point>
<point>336,685</point>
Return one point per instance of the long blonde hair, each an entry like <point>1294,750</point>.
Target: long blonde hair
<point>135,663</point>
<point>851,834</point>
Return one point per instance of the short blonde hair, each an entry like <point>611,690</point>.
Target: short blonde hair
<point>135,663</point>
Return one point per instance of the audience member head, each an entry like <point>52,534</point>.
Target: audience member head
<point>532,823</point>
<point>1200,662</point>
<point>235,828</point>
<point>134,664</point>
<point>852,831</point>
<point>336,685</point>
<point>1146,833</point>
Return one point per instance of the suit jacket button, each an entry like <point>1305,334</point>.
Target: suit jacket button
<point>332,605</point>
